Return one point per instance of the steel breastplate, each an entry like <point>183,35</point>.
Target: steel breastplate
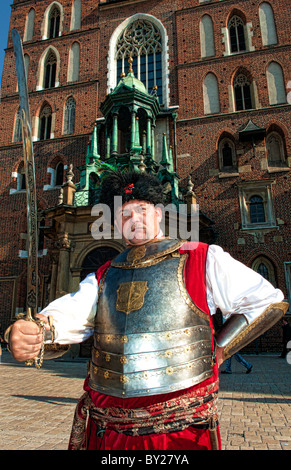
<point>149,336</point>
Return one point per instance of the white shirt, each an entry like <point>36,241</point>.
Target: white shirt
<point>231,286</point>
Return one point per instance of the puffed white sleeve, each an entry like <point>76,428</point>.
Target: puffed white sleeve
<point>73,314</point>
<point>234,288</point>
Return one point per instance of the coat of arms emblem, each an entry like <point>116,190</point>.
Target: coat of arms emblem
<point>130,296</point>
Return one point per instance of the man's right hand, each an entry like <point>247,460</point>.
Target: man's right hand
<point>25,339</point>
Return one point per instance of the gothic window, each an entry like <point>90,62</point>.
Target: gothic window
<point>257,211</point>
<point>54,23</point>
<point>59,174</point>
<point>74,62</point>
<point>50,70</point>
<point>76,15</point>
<point>17,135</point>
<point>26,65</point>
<point>227,155</point>
<point>211,94</point>
<point>236,34</point>
<point>275,150</point>
<point>267,23</point>
<point>29,25</point>
<point>265,268</point>
<point>45,123</point>
<point>69,116</point>
<point>142,41</point>
<point>242,92</point>
<point>21,182</point>
<point>276,85</point>
<point>206,37</point>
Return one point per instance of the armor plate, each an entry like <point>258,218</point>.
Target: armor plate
<point>149,336</point>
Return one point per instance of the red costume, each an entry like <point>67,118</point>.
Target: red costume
<point>191,438</point>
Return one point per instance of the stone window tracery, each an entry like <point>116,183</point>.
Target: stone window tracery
<point>45,119</point>
<point>54,23</point>
<point>142,41</point>
<point>242,92</point>
<point>236,34</point>
<point>50,71</point>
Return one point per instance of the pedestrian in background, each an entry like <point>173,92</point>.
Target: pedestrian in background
<point>286,337</point>
<point>239,359</point>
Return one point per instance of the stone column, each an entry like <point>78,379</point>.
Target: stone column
<point>149,137</point>
<point>114,143</point>
<point>64,246</point>
<point>132,136</point>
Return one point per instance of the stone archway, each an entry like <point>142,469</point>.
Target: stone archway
<point>95,259</point>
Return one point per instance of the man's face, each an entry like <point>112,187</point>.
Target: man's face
<point>138,221</point>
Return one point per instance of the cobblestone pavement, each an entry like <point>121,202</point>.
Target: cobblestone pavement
<point>37,406</point>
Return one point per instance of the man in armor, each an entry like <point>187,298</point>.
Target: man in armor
<point>153,377</point>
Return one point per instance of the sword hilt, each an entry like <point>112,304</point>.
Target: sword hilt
<point>37,361</point>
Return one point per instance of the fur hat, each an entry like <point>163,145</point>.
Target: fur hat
<point>130,185</point>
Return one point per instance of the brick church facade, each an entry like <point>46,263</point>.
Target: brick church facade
<point>220,73</point>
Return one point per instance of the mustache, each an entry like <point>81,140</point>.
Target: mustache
<point>136,226</point>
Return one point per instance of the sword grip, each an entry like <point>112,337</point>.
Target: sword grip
<point>29,316</point>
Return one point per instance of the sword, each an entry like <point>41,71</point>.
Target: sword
<point>32,229</point>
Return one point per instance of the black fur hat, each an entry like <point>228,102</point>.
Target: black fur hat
<point>130,185</point>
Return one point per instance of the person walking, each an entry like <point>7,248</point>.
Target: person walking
<point>239,359</point>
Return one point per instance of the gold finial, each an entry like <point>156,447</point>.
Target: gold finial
<point>130,61</point>
<point>122,75</point>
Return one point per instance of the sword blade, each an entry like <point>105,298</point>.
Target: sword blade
<point>29,167</point>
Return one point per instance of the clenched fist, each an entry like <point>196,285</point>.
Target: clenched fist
<point>26,339</point>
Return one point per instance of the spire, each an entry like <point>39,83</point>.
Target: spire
<point>92,149</point>
<point>167,155</point>
<point>190,197</point>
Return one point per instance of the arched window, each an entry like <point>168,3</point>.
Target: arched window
<point>76,15</point>
<point>59,174</point>
<point>267,23</point>
<point>256,205</point>
<point>236,29</point>
<point>265,268</point>
<point>54,23</point>
<point>50,70</point>
<point>142,41</point>
<point>69,116</point>
<point>21,181</point>
<point>211,94</point>
<point>29,25</point>
<point>227,155</point>
<point>26,65</point>
<point>257,210</point>
<point>275,150</point>
<point>242,92</point>
<point>276,85</point>
<point>206,37</point>
<point>45,123</point>
<point>17,134</point>
<point>96,258</point>
<point>74,62</point>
